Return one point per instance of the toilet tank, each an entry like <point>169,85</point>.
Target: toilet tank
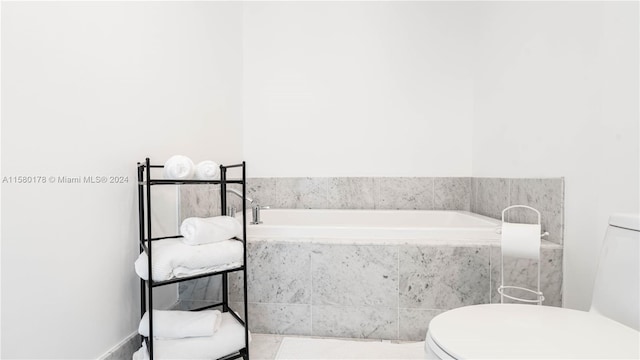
<point>616,292</point>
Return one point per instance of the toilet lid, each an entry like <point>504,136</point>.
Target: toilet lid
<point>515,331</point>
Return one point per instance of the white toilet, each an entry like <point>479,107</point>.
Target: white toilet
<point>608,330</point>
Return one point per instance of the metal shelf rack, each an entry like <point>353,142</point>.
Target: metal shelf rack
<point>145,182</point>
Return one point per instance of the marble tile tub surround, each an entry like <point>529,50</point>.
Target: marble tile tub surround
<point>489,196</point>
<point>485,196</point>
<point>305,309</point>
<point>374,291</point>
<point>524,273</point>
<point>199,201</point>
<point>407,193</point>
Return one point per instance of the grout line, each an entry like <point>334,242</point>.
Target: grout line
<point>398,293</point>
<point>275,191</point>
<point>433,193</point>
<point>490,272</point>
<point>326,188</point>
<point>472,197</point>
<point>375,193</point>
<point>477,194</point>
<point>509,197</point>
<point>311,294</point>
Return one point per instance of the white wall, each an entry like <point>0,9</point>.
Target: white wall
<point>556,94</point>
<point>90,89</point>
<point>358,88</point>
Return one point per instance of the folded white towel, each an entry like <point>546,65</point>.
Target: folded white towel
<point>179,167</point>
<point>197,231</point>
<point>175,324</point>
<point>207,170</point>
<point>229,339</point>
<point>173,259</point>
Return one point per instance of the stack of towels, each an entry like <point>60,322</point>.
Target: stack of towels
<point>174,324</point>
<point>207,334</point>
<point>207,245</point>
<point>180,167</point>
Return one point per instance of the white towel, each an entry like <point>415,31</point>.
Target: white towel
<point>179,167</point>
<point>207,170</point>
<point>229,339</point>
<point>176,324</point>
<point>197,231</point>
<point>173,259</point>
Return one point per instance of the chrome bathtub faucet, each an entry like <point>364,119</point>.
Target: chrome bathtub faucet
<point>255,207</point>
<point>255,210</point>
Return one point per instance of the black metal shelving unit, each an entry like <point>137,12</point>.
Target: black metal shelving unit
<point>145,182</point>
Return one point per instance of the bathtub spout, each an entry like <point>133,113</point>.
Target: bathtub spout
<point>239,194</point>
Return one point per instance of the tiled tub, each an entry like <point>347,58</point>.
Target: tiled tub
<point>377,273</point>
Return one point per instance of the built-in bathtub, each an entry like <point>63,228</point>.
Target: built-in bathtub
<point>376,273</point>
<point>374,226</point>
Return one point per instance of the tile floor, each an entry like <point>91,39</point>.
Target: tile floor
<point>265,346</point>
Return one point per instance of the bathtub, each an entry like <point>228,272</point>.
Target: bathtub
<point>374,226</point>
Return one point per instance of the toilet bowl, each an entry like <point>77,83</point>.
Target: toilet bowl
<point>609,330</point>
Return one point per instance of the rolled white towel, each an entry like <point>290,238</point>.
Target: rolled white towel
<point>207,170</point>
<point>176,324</point>
<point>197,231</point>
<point>179,167</point>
